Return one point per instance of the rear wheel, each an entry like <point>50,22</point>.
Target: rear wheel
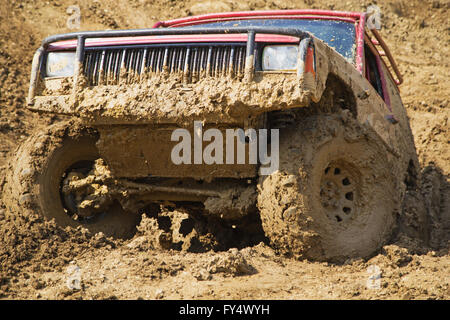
<point>334,196</point>
<point>41,169</point>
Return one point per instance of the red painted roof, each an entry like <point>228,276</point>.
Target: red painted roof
<point>267,13</point>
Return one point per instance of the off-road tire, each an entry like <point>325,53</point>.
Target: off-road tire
<point>334,196</point>
<point>34,178</point>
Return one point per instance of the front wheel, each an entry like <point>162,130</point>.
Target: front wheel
<point>334,196</point>
<point>42,167</point>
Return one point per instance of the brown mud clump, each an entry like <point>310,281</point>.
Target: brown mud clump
<point>181,230</point>
<point>166,98</point>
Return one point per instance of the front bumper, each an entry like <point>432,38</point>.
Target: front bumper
<point>166,99</point>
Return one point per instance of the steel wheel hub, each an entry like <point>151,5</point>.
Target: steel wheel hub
<point>338,192</point>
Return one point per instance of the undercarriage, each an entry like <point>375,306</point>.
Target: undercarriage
<point>87,192</point>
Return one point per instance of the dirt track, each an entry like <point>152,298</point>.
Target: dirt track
<point>35,255</point>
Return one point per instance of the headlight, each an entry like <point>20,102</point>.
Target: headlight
<point>60,64</point>
<point>280,57</point>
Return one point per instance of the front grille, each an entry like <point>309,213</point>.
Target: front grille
<point>111,65</point>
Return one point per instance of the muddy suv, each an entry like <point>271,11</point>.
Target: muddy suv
<point>319,84</point>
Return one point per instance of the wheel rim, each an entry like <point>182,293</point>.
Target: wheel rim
<point>339,192</point>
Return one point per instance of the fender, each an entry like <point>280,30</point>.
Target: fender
<point>371,109</point>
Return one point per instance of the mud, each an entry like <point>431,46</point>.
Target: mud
<point>35,254</point>
<point>98,189</point>
<point>331,224</point>
<point>166,99</point>
<point>151,157</point>
<point>181,229</point>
